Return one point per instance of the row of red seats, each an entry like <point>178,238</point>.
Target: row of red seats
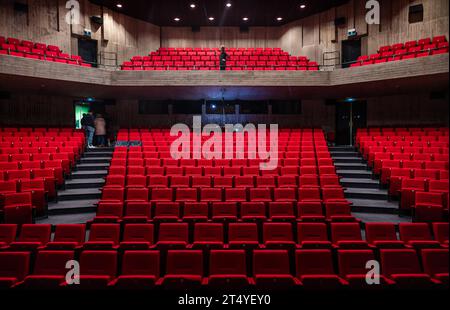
<point>135,211</point>
<point>229,194</point>
<point>413,43</point>
<point>414,172</point>
<point>399,55</point>
<point>210,171</point>
<point>38,51</point>
<point>235,68</point>
<point>198,181</point>
<point>199,59</point>
<point>138,61</point>
<point>31,193</point>
<point>409,50</point>
<point>226,269</point>
<point>163,236</point>
<point>412,153</point>
<point>26,167</point>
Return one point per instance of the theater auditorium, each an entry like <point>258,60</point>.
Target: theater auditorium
<point>192,148</point>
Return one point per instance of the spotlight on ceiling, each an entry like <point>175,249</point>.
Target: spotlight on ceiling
<point>228,5</point>
<point>192,5</point>
<point>211,18</point>
<point>177,19</point>
<point>245,19</point>
<point>119,5</point>
<point>302,6</point>
<point>279,19</point>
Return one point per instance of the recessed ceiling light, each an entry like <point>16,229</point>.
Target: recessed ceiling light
<point>245,19</point>
<point>192,5</point>
<point>302,6</point>
<point>211,18</point>
<point>119,5</point>
<point>177,19</point>
<point>228,5</point>
<point>279,19</point>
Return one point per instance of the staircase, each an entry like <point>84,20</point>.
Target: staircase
<point>361,188</point>
<point>82,189</point>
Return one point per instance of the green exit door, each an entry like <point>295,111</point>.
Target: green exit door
<point>80,109</point>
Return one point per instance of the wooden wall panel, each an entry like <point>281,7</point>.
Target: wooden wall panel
<point>217,36</point>
<point>404,110</point>
<point>120,34</point>
<point>394,26</point>
<point>36,110</point>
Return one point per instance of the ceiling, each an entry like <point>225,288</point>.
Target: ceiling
<point>258,12</point>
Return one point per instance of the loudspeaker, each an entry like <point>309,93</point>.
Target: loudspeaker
<point>341,21</point>
<point>195,28</point>
<point>97,20</point>
<point>20,7</point>
<point>244,29</point>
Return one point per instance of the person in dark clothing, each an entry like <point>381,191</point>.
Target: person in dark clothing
<point>88,124</point>
<point>223,58</point>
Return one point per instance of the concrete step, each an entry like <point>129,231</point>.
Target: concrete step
<point>99,150</point>
<point>354,160</point>
<point>373,206</point>
<point>350,166</point>
<point>90,167</point>
<point>56,219</point>
<point>366,193</point>
<point>91,174</point>
<point>84,183</point>
<point>367,217</point>
<point>95,160</point>
<point>355,174</point>
<point>79,194</point>
<point>341,148</point>
<point>344,154</point>
<point>72,207</point>
<point>97,154</point>
<point>360,183</point>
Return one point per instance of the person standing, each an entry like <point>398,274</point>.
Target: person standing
<point>223,58</point>
<point>100,130</point>
<point>90,128</point>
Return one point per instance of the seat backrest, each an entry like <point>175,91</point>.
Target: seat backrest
<point>353,262</point>
<point>345,232</point>
<point>52,262</point>
<point>399,261</point>
<point>14,265</point>
<point>98,263</point>
<point>229,262</point>
<point>312,232</point>
<point>35,233</point>
<point>380,232</point>
<point>182,262</point>
<point>105,232</point>
<point>270,262</point>
<point>414,231</point>
<point>314,262</point>
<point>243,232</point>
<point>70,233</point>
<point>139,233</point>
<point>173,232</point>
<point>208,232</point>
<point>141,263</point>
<point>277,232</point>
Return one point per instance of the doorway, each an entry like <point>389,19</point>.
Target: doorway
<point>351,50</point>
<point>80,108</point>
<point>87,49</point>
<point>350,115</point>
